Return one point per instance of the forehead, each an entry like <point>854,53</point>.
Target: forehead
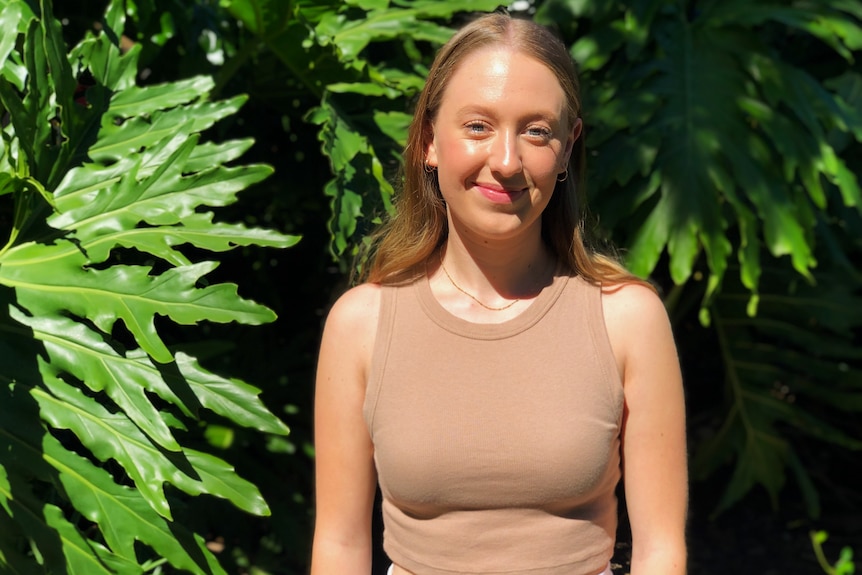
<point>501,75</point>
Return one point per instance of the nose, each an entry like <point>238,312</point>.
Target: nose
<point>505,157</point>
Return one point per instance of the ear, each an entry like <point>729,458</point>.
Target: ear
<point>570,141</point>
<point>431,148</point>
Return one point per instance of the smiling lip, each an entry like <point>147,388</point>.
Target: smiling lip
<point>498,194</point>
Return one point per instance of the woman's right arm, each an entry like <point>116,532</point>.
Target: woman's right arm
<point>344,455</point>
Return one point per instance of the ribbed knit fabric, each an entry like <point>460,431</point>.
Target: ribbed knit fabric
<point>496,445</point>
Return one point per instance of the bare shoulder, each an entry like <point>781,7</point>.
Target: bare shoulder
<point>632,304</point>
<point>357,308</point>
<point>636,321</point>
<point>351,328</point>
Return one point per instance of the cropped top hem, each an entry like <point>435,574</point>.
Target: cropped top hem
<point>593,566</point>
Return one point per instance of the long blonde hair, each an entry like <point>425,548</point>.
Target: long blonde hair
<point>399,249</point>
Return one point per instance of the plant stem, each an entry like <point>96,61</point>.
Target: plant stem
<point>821,558</point>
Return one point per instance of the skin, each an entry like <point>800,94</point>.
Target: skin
<point>499,141</point>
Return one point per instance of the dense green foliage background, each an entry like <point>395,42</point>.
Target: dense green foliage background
<point>724,142</point>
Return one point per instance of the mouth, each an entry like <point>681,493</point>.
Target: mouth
<point>498,194</point>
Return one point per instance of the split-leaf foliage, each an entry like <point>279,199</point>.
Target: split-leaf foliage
<point>723,141</point>
<point>724,160</point>
<point>107,184</point>
<point>724,144</point>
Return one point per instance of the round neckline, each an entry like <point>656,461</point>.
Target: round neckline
<point>528,317</point>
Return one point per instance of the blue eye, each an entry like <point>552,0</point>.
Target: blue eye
<point>476,127</point>
<point>539,132</point>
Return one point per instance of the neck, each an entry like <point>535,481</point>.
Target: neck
<point>497,273</point>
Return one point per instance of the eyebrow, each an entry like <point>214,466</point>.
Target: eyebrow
<point>549,117</point>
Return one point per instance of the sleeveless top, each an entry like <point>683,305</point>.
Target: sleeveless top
<point>497,446</point>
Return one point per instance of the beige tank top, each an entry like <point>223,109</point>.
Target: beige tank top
<point>496,445</point>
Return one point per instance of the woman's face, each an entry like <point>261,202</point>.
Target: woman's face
<point>500,139</point>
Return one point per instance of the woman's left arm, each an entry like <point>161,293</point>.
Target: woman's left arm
<point>655,470</point>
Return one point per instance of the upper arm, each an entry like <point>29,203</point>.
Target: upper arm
<point>345,479</point>
<point>653,437</point>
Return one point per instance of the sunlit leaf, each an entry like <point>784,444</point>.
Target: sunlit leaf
<point>113,195</point>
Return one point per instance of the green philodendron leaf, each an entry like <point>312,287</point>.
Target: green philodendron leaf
<point>340,142</point>
<point>80,352</point>
<point>114,436</point>
<point>352,36</point>
<point>394,125</point>
<point>848,184</point>
<point>445,10</point>
<point>761,462</point>
<point>91,179</point>
<point>110,436</point>
<point>760,452</point>
<point>408,82</point>
<point>783,232</point>
<point>368,5</point>
<point>849,87</point>
<point>85,556</point>
<point>262,17</point>
<point>13,17</point>
<point>835,29</point>
<point>795,354</point>
<point>347,209</point>
<point>230,398</point>
<point>652,236</point>
<point>5,490</point>
<point>21,437</point>
<point>121,511</point>
<point>25,129</point>
<point>127,293</point>
<point>735,125</point>
<point>8,183</point>
<point>47,97</point>
<point>217,477</point>
<point>197,230</point>
<point>750,151</point>
<point>163,197</point>
<point>810,495</point>
<point>140,101</point>
<point>119,141</point>
<point>58,63</point>
<point>12,559</point>
<point>364,89</point>
<point>76,350</point>
<point>328,60</point>
<point>32,516</point>
<point>210,154</point>
<point>356,166</point>
<point>103,58</point>
<point>125,179</point>
<point>593,51</point>
<point>822,430</point>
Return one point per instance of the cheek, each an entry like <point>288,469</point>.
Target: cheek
<point>544,164</point>
<point>459,158</point>
<point>456,149</point>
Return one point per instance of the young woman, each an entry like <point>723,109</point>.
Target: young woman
<point>493,374</point>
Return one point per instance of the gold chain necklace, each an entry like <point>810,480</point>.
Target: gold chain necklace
<point>471,296</point>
